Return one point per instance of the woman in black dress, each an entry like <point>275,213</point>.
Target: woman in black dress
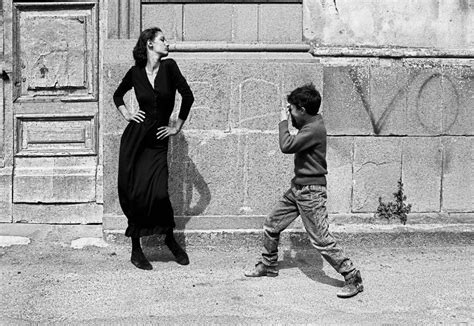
<point>143,166</point>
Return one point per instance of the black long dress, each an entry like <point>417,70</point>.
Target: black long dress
<point>143,165</point>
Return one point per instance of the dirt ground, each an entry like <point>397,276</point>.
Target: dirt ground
<point>54,283</point>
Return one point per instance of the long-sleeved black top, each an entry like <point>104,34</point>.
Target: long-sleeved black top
<point>157,102</point>
<point>309,147</point>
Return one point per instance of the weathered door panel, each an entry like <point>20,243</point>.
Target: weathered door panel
<point>55,112</point>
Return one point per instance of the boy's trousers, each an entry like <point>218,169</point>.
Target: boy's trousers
<point>309,201</point>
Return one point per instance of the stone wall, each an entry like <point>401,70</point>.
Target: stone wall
<point>386,119</point>
<point>410,119</point>
<point>398,91</point>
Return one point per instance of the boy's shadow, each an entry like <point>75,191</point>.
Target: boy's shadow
<point>309,261</point>
<point>184,183</point>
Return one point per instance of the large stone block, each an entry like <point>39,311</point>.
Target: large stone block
<point>266,172</point>
<point>339,178</point>
<point>245,23</point>
<point>459,84</point>
<point>55,180</point>
<point>425,101</point>
<point>260,86</point>
<point>168,17</point>
<point>344,111</point>
<point>205,174</point>
<point>458,181</point>
<point>439,97</point>
<point>421,171</point>
<point>198,26</point>
<point>377,168</point>
<point>209,81</point>
<point>58,214</point>
<point>280,23</point>
<point>6,195</point>
<point>256,94</point>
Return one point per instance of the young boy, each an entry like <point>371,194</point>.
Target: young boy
<point>307,194</point>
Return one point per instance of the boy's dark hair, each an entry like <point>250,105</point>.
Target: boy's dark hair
<point>139,51</point>
<point>306,96</point>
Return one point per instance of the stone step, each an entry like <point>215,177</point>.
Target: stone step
<point>346,235</point>
<point>350,235</point>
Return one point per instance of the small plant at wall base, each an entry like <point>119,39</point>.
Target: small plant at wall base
<point>392,210</point>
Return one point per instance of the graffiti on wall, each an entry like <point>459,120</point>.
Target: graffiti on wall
<point>432,96</point>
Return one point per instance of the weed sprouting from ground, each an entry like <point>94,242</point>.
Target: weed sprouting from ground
<point>393,210</point>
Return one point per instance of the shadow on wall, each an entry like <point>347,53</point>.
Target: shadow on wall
<point>185,183</point>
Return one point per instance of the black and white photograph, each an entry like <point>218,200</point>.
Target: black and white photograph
<point>223,162</point>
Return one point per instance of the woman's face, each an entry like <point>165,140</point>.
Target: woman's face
<point>159,45</point>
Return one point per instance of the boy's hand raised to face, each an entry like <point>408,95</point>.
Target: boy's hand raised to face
<point>284,112</point>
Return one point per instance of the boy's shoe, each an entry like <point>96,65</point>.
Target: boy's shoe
<point>352,286</point>
<point>262,270</point>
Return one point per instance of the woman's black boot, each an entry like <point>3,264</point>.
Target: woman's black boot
<point>178,252</point>
<point>138,258</point>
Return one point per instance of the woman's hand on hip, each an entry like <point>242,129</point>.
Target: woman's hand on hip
<point>165,131</point>
<point>137,117</point>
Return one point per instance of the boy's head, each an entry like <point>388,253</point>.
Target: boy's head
<point>306,97</point>
<point>303,104</point>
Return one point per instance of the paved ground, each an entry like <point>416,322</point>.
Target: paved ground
<point>54,283</point>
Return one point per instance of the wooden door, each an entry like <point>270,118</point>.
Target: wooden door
<point>55,104</point>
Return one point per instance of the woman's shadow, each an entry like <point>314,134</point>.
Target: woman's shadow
<point>303,256</point>
<point>185,183</point>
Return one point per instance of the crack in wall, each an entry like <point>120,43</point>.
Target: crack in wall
<point>371,162</point>
<point>335,6</point>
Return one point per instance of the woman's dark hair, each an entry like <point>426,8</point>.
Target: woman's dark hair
<point>139,51</point>
<point>306,96</point>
